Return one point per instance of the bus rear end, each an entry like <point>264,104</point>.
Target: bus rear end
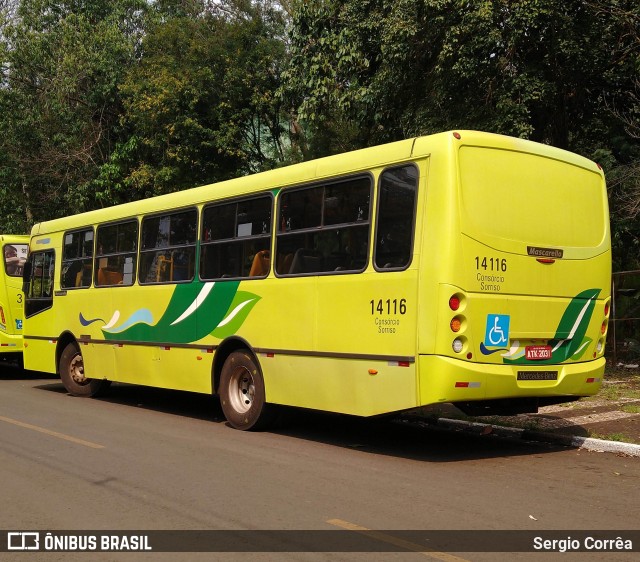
<point>524,294</point>
<point>14,252</point>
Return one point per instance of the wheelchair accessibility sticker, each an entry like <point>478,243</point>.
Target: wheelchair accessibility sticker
<point>497,331</point>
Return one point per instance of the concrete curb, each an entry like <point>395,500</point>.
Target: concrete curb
<point>588,443</point>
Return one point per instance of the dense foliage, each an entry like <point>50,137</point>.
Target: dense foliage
<point>106,102</point>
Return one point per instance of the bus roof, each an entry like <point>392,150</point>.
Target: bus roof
<point>313,170</point>
<point>14,238</point>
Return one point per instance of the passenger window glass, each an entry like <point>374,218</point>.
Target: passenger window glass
<point>115,260</point>
<point>343,206</point>
<point>39,295</point>
<point>396,218</point>
<point>324,228</point>
<point>168,253</point>
<point>301,209</point>
<point>14,257</point>
<point>236,239</point>
<point>77,259</point>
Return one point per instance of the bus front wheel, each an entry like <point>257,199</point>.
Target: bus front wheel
<point>71,371</point>
<point>242,393</point>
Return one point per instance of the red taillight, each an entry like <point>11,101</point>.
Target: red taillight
<point>606,309</point>
<point>457,135</point>
<point>2,315</point>
<point>454,302</point>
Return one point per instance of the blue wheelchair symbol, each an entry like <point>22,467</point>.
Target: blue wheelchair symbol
<point>497,331</point>
<point>18,324</point>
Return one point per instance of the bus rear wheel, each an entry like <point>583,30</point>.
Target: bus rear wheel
<point>242,393</point>
<point>71,371</point>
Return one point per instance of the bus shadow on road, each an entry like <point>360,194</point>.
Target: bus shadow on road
<point>174,402</point>
<point>392,436</point>
<point>13,371</point>
<point>389,436</point>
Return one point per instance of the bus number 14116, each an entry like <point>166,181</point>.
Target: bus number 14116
<point>491,264</point>
<point>389,306</point>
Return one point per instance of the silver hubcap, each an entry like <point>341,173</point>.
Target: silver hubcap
<point>76,369</point>
<point>241,390</point>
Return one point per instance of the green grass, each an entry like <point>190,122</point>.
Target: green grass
<point>621,437</point>
<point>631,409</point>
<point>619,383</point>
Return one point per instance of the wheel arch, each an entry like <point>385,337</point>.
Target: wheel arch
<point>226,348</point>
<point>63,341</point>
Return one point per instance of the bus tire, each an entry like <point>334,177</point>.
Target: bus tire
<point>71,371</point>
<point>242,393</point>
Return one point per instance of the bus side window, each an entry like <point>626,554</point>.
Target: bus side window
<point>39,294</point>
<point>396,218</point>
<point>324,228</point>
<point>77,259</point>
<point>236,239</point>
<point>115,259</point>
<point>168,247</point>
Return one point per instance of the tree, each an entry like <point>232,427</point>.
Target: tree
<point>200,103</point>
<point>61,64</point>
<point>536,69</point>
<point>563,73</point>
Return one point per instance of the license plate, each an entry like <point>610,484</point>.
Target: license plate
<point>537,352</point>
<point>537,375</point>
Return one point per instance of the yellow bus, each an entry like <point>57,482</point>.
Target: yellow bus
<point>461,267</point>
<point>14,251</point>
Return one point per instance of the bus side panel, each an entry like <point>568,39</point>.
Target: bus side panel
<point>163,366</point>
<point>370,313</point>
<point>40,355</point>
<point>11,316</point>
<point>347,345</point>
<point>348,386</point>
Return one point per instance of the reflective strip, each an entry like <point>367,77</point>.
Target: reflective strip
<point>468,385</point>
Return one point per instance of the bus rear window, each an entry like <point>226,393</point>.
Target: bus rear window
<point>14,257</point>
<point>530,198</point>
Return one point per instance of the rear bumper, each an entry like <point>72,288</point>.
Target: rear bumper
<point>10,343</point>
<point>443,379</point>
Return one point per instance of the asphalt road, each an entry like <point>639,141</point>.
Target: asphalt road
<point>149,459</point>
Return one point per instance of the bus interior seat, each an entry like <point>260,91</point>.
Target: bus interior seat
<point>109,277</point>
<point>261,264</point>
<point>284,263</point>
<point>306,261</point>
